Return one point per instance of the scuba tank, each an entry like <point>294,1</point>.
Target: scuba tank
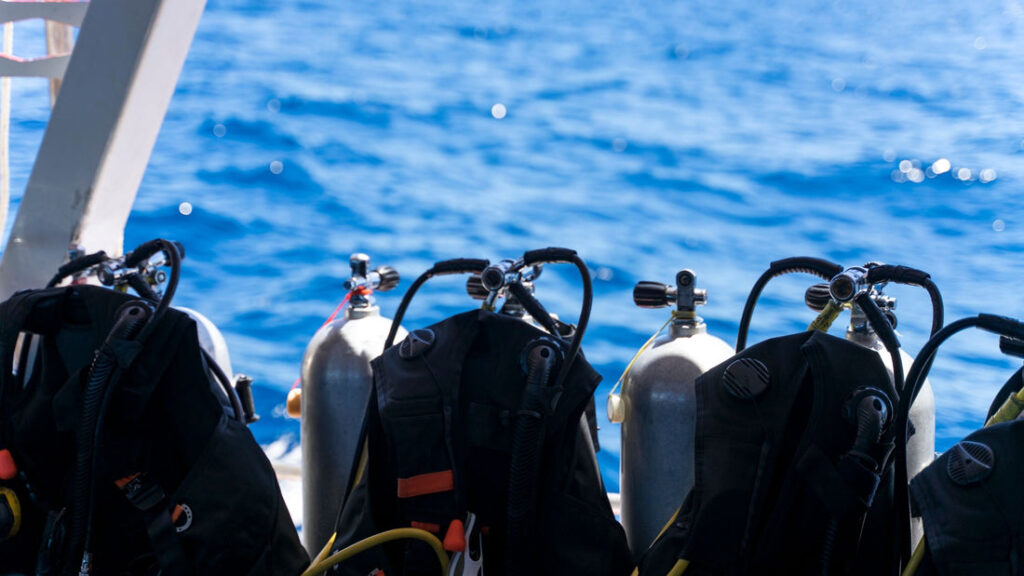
<point>657,409</point>
<point>921,444</point>
<point>336,380</point>
<point>841,290</point>
<point>497,286</point>
<point>793,440</point>
<point>473,454</point>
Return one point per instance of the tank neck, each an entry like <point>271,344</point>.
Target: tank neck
<point>361,312</point>
<point>686,327</point>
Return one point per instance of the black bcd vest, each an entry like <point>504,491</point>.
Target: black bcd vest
<point>439,434</point>
<point>166,439</point>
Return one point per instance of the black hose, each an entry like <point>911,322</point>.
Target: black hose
<point>77,265</point>
<point>142,288</point>
<point>911,277</point>
<point>527,443</point>
<point>533,307</point>
<point>445,267</point>
<point>816,266</point>
<point>131,321</point>
<point>887,335</point>
<point>565,255</point>
<point>225,383</point>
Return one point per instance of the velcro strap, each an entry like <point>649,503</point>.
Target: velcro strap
<point>826,483</point>
<point>861,479</point>
<point>142,493</point>
<point>149,498</point>
<point>430,483</point>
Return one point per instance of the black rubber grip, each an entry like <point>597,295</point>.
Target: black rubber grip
<point>550,255</point>
<point>142,252</point>
<point>651,295</point>
<point>1001,325</point>
<point>1011,346</point>
<point>77,265</point>
<point>897,274</point>
<point>81,263</point>
<point>818,266</point>
<point>459,266</point>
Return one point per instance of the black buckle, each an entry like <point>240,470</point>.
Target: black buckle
<point>142,493</point>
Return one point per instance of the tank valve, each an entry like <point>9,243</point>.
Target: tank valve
<point>849,284</point>
<point>685,295</point>
<point>364,281</point>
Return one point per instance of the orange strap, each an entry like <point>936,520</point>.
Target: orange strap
<point>428,526</point>
<point>124,481</point>
<point>430,483</point>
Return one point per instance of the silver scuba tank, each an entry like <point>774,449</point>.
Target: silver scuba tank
<point>212,340</point>
<point>336,381</point>
<point>657,410</point>
<point>921,445</point>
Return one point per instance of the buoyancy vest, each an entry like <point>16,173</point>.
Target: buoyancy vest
<point>774,483</point>
<point>972,502</point>
<point>439,436</point>
<point>180,486</point>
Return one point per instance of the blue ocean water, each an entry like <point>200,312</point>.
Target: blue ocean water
<point>649,136</point>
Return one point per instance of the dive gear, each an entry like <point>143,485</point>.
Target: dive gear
<point>117,411</point>
<point>335,387</point>
<point>775,454</point>
<point>1001,325</point>
<point>657,409</point>
<point>457,425</point>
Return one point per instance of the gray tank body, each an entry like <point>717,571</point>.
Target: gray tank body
<point>336,379</point>
<point>656,466</point>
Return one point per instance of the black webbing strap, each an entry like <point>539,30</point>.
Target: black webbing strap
<point>149,498</point>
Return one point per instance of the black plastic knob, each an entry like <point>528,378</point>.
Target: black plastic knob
<point>475,288</point>
<point>652,295</point>
<point>389,278</point>
<point>816,297</point>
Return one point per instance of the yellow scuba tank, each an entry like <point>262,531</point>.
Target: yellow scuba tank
<point>657,409</point>
<point>336,380</point>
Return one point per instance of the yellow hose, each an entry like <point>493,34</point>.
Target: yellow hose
<point>615,410</point>
<point>679,568</point>
<point>826,317</point>
<point>325,549</point>
<point>915,560</point>
<point>1009,410</point>
<point>376,540</point>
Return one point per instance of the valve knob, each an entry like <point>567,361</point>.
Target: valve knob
<point>652,295</point>
<point>817,297</point>
<point>475,288</point>
<point>359,263</point>
<point>389,278</point>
